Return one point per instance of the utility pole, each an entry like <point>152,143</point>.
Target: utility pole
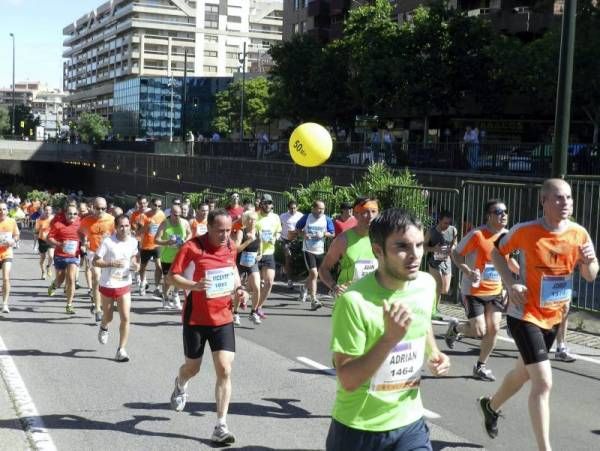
<point>171,126</point>
<point>563,94</point>
<point>184,96</point>
<point>243,61</point>
<point>13,87</point>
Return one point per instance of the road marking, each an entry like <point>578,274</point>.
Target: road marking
<point>579,357</point>
<point>331,371</point>
<point>24,406</point>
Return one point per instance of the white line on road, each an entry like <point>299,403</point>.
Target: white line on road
<point>331,371</point>
<point>26,410</point>
<point>579,357</point>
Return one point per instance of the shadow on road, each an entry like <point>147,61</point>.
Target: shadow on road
<point>283,408</point>
<point>73,353</point>
<point>439,445</point>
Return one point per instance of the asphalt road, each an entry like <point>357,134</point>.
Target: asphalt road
<point>281,399</point>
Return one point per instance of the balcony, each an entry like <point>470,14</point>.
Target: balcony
<point>318,8</point>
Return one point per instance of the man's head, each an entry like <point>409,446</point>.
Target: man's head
<point>397,240</point>
<point>202,212</point>
<point>48,210</point>
<point>496,213</point>
<point>175,213</point>
<point>185,210</point>
<point>219,227</point>
<point>83,209</point>
<point>444,220</point>
<point>212,203</point>
<point>156,205</point>
<point>365,209</point>
<point>142,203</point>
<point>117,211</point>
<point>292,206</point>
<point>248,205</point>
<point>99,206</point>
<point>176,202</point>
<point>71,214</point>
<point>266,203</point>
<point>557,200</point>
<point>346,209</point>
<point>122,226</point>
<point>318,208</point>
<point>234,199</point>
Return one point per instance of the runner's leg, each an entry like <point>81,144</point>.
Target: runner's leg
<point>540,375</point>
<point>511,384</point>
<point>107,317</point>
<point>267,276</point>
<point>492,326</point>
<point>6,282</point>
<point>223,361</point>
<point>124,304</point>
<point>254,287</point>
<point>71,276</point>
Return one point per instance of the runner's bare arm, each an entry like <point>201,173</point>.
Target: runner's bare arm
<point>334,254</point>
<point>460,262</point>
<point>181,282</point>
<point>159,233</point>
<point>516,289</point>
<point>588,262</point>
<point>99,263</point>
<point>188,231</point>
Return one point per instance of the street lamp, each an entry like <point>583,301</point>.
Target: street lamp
<point>13,85</point>
<point>171,126</point>
<point>243,62</point>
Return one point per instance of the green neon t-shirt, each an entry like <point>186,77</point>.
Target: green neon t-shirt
<point>358,256</point>
<point>268,228</point>
<point>391,398</point>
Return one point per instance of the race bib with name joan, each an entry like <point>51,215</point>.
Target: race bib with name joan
<point>401,370</point>
<point>221,282</point>
<point>490,274</point>
<point>555,289</point>
<point>364,267</point>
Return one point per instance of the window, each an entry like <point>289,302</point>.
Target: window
<point>232,55</point>
<point>211,38</point>
<point>211,9</point>
<point>209,68</point>
<point>210,53</point>
<point>212,24</point>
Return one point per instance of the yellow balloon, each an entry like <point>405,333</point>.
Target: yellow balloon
<point>310,145</point>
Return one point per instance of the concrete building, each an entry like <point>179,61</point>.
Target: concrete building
<point>124,39</point>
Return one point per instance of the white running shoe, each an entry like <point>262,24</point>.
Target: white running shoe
<point>122,355</point>
<point>178,398</point>
<point>221,434</point>
<point>176,300</point>
<point>236,319</point>
<point>303,295</point>
<point>253,317</point>
<point>102,336</point>
<point>5,308</point>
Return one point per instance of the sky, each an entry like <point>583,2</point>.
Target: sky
<point>37,26</point>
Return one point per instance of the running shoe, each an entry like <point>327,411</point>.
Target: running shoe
<point>122,355</point>
<point>70,309</point>
<point>157,292</point>
<point>51,289</point>
<point>222,435</point>
<point>5,308</point>
<point>253,317</point>
<point>564,355</point>
<point>178,398</point>
<point>43,275</point>
<point>102,336</point>
<point>166,304</point>
<point>490,417</point>
<point>98,316</point>
<point>290,284</point>
<point>142,291</point>
<point>261,314</point>
<point>483,373</point>
<point>236,319</point>
<point>77,286</point>
<point>315,304</point>
<point>176,301</point>
<point>452,335</point>
<point>303,295</point>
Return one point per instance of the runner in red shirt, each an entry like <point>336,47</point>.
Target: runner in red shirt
<point>206,268</point>
<point>346,219</point>
<point>64,237</point>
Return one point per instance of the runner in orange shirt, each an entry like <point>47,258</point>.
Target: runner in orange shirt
<point>9,235</point>
<point>83,211</point>
<point>46,251</point>
<point>550,249</point>
<point>136,220</point>
<point>151,221</point>
<point>198,225</point>
<point>92,230</point>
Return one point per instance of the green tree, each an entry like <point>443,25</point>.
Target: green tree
<point>4,121</point>
<point>256,106</point>
<point>25,122</point>
<point>92,127</point>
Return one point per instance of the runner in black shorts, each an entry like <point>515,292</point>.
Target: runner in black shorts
<point>220,338</point>
<point>248,247</point>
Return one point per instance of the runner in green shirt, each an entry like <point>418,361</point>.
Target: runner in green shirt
<point>381,336</point>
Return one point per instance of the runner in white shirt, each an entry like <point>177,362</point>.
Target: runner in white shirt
<point>115,257</point>
<point>288,236</point>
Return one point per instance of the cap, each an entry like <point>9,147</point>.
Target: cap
<point>266,198</point>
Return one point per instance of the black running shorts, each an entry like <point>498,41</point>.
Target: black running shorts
<point>220,338</point>
<point>533,342</point>
<point>475,306</point>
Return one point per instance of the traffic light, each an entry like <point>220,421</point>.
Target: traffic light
<point>22,123</point>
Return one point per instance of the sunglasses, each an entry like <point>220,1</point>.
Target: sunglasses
<point>100,208</point>
<point>71,214</point>
<point>267,202</point>
<point>500,212</point>
<point>156,206</point>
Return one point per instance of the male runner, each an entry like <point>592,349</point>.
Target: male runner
<point>550,249</point>
<point>381,336</point>
<point>64,236</point>
<point>42,228</point>
<point>84,211</point>
<point>481,287</point>
<point>9,236</point>
<point>345,220</point>
<point>150,222</point>
<point>440,241</point>
<point>171,234</point>
<point>269,230</point>
<point>92,230</point>
<point>205,267</point>
<point>352,249</point>
<point>288,236</point>
<point>234,208</point>
<point>198,224</point>
<point>116,255</point>
<point>314,227</point>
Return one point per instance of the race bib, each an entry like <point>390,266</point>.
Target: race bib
<point>70,247</point>
<point>153,228</point>
<point>120,274</point>
<point>5,238</point>
<point>555,289</point>
<point>402,368</point>
<point>201,229</point>
<point>364,267</point>
<point>248,259</point>
<point>266,235</point>
<point>440,256</point>
<point>221,282</point>
<point>490,274</point>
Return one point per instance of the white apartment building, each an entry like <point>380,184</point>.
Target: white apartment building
<point>122,39</point>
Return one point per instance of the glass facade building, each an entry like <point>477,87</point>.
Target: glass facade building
<point>153,107</point>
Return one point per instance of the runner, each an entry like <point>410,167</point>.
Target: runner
<point>234,208</point>
<point>207,313</point>
<point>198,224</point>
<point>137,226</point>
<point>381,336</point>
<point>345,220</point>
<point>116,255</point>
<point>315,228</point>
<point>64,236</point>
<point>171,235</point>
<point>440,241</point>
<point>352,249</point>
<point>481,287</point>
<point>288,238</point>
<point>84,211</point>
<point>550,249</point>
<point>247,244</point>
<point>9,236</point>
<point>42,227</point>
<point>92,230</point>
<point>150,222</point>
<point>269,230</point>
